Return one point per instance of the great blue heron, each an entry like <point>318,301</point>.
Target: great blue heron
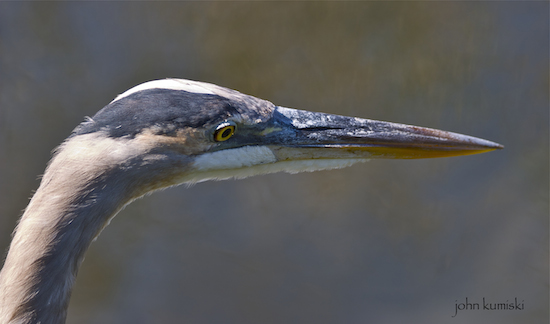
<point>164,133</point>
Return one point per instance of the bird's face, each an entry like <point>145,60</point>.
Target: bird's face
<point>219,133</point>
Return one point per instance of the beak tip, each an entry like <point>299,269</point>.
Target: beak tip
<point>493,146</point>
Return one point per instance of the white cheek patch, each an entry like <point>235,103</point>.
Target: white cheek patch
<point>234,158</point>
<point>254,160</point>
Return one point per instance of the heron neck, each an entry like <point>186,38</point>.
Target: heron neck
<point>70,208</point>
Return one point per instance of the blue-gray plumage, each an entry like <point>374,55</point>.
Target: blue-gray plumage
<point>164,133</point>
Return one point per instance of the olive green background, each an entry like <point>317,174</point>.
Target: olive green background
<point>381,242</point>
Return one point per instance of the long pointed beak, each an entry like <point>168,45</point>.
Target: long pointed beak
<point>300,134</point>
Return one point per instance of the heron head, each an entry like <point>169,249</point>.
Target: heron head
<point>196,131</point>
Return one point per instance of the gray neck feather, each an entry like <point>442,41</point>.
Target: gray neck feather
<point>76,199</point>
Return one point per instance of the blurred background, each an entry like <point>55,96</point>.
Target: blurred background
<point>381,242</point>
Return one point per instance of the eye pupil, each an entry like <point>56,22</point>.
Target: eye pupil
<point>226,133</point>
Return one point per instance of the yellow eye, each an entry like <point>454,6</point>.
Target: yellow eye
<point>224,131</point>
